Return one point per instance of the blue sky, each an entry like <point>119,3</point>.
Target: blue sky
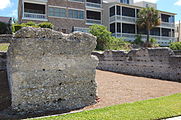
<point>9,7</point>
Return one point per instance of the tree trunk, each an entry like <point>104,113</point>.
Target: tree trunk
<point>148,38</point>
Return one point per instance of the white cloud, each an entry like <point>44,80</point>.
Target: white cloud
<point>14,13</point>
<point>178,3</point>
<point>4,4</point>
<point>152,1</point>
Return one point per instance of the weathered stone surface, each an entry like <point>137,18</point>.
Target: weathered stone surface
<point>159,63</point>
<point>4,86</point>
<point>49,70</point>
<point>5,38</point>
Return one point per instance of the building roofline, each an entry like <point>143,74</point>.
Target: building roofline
<point>135,6</point>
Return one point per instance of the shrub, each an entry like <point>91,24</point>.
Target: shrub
<point>46,25</point>
<point>138,40</point>
<point>103,36</point>
<point>175,46</point>
<point>5,28</point>
<point>17,27</point>
<point>118,44</point>
<point>153,42</point>
<point>30,23</point>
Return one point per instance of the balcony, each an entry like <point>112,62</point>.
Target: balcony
<point>81,29</point>
<point>34,11</point>
<point>35,16</point>
<point>163,41</point>
<point>36,1</point>
<point>118,18</point>
<point>92,21</point>
<point>167,25</point>
<point>93,5</point>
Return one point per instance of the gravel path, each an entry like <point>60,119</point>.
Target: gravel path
<point>116,88</point>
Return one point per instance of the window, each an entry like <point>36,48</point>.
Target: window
<point>141,30</point>
<point>112,27</point>
<point>130,12</point>
<point>128,28</point>
<point>167,18</point>
<point>93,15</point>
<point>94,1</point>
<point>112,11</point>
<point>118,10</point>
<point>34,8</point>
<point>124,1</point>
<point>155,31</point>
<point>77,14</point>
<point>57,12</point>
<point>119,27</point>
<point>166,32</point>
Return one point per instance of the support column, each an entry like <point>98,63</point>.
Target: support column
<point>135,21</point>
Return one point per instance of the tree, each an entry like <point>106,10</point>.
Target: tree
<point>102,34</point>
<point>148,18</point>
<point>175,46</point>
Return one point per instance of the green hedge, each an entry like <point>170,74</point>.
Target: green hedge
<point>17,27</point>
<point>175,46</point>
<point>46,25</point>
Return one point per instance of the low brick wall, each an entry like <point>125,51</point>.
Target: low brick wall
<point>159,63</point>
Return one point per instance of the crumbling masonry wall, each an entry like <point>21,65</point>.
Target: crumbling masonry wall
<point>161,63</point>
<point>4,86</point>
<point>50,71</point>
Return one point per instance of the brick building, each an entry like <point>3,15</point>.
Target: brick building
<point>77,15</point>
<point>66,15</point>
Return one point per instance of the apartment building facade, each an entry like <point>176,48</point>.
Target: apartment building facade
<point>66,15</point>
<point>121,21</point>
<point>178,31</point>
<point>77,15</point>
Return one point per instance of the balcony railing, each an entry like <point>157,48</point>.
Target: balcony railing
<point>91,21</point>
<point>34,15</point>
<point>118,18</point>
<point>166,24</point>
<point>81,29</point>
<point>93,5</point>
<point>163,41</point>
<point>37,0</point>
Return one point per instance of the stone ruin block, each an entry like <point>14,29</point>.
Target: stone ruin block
<point>160,63</point>
<point>49,70</point>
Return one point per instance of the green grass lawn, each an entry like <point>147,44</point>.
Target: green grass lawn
<point>4,46</point>
<point>158,108</point>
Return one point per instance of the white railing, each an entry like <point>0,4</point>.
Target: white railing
<point>92,21</point>
<point>166,24</point>
<point>130,37</point>
<point>81,29</point>
<point>129,19</point>
<point>112,19</point>
<point>119,18</point>
<point>93,5</point>
<point>34,15</point>
<point>77,0</point>
<point>36,0</point>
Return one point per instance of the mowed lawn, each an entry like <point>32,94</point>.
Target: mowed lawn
<point>152,109</point>
<point>4,46</point>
